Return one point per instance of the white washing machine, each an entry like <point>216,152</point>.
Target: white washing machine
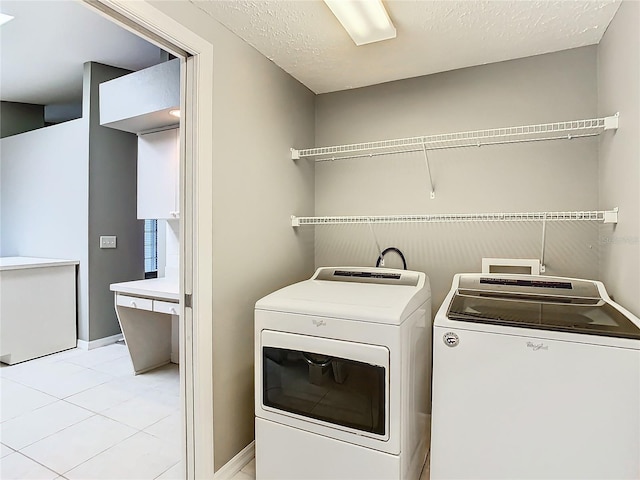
<point>342,376</point>
<point>534,377</point>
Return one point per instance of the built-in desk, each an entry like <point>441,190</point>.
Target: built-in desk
<point>37,307</point>
<point>144,309</point>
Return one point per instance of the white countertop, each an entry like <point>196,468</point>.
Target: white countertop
<point>162,288</point>
<point>17,263</point>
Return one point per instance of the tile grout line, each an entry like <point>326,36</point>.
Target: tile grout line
<point>99,453</point>
<point>157,386</point>
<point>39,463</point>
<point>177,463</point>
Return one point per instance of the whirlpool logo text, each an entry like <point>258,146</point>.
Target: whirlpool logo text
<point>537,346</point>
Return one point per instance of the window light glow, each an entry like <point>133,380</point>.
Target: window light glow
<point>174,113</point>
<point>4,18</point>
<point>366,21</point>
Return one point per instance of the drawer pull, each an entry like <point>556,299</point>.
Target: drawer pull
<point>173,311</point>
<point>136,303</point>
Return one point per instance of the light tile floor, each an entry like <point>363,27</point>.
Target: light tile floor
<point>82,415</point>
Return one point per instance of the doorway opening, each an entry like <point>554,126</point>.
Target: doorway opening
<point>195,57</point>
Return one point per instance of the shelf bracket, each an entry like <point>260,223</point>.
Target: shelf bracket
<point>611,123</point>
<point>295,154</point>
<point>611,216</point>
<point>544,235</point>
<point>295,221</point>
<point>432,195</point>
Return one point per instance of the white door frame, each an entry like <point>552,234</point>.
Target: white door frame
<point>196,224</point>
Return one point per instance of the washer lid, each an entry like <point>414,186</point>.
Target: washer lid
<point>541,310</point>
<point>379,295</point>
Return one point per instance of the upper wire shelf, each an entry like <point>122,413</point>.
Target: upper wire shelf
<point>604,216</point>
<point>476,138</point>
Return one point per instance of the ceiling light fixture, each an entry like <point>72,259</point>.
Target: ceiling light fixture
<point>4,18</point>
<point>174,113</point>
<point>366,21</point>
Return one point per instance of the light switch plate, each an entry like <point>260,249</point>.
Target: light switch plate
<point>107,241</point>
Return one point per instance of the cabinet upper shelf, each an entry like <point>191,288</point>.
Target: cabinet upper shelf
<point>140,102</point>
<point>525,133</point>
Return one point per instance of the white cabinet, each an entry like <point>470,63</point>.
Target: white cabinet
<point>158,159</point>
<point>37,307</point>
<point>141,101</point>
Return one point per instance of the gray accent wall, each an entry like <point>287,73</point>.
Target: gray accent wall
<point>260,112</point>
<point>59,113</point>
<point>619,160</point>
<point>542,176</point>
<point>112,206</point>
<point>18,118</point>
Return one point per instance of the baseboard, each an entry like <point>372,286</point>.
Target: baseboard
<point>233,466</point>
<point>101,342</point>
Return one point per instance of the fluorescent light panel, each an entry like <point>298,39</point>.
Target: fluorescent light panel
<point>5,18</point>
<point>366,21</point>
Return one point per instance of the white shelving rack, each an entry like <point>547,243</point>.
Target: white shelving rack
<point>603,216</point>
<point>567,130</point>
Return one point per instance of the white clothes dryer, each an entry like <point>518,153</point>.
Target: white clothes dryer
<point>534,377</point>
<point>342,376</point>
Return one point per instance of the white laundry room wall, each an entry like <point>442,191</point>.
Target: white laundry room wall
<point>538,176</point>
<point>619,173</point>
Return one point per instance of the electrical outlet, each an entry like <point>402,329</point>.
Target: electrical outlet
<point>107,241</point>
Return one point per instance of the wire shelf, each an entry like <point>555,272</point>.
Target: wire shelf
<point>604,216</point>
<point>476,138</point>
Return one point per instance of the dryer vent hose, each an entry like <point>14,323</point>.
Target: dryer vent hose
<point>387,250</point>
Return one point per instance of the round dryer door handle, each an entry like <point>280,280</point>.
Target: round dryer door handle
<point>322,363</point>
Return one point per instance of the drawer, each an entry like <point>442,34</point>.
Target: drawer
<point>166,307</point>
<point>134,302</point>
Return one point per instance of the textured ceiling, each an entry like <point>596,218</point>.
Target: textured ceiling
<point>43,49</point>
<point>305,39</point>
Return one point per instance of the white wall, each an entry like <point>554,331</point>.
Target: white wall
<point>44,198</point>
<point>619,173</point>
<point>543,176</point>
<point>259,113</point>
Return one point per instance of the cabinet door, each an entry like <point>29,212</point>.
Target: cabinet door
<point>158,175</point>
